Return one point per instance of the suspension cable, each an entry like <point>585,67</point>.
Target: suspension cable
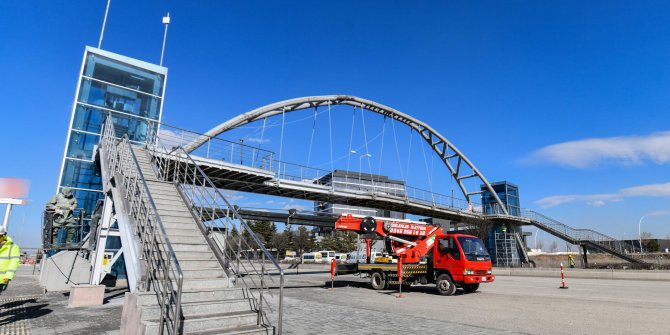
<point>425,162</point>
<point>381,151</point>
<point>409,153</point>
<point>281,141</point>
<point>311,140</point>
<point>351,139</point>
<point>330,132</point>
<point>397,150</point>
<point>367,153</point>
<point>260,144</point>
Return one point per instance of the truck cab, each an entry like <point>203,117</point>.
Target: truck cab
<point>464,258</point>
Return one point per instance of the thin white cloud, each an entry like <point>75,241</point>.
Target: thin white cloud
<point>592,152</point>
<point>598,200</point>
<point>232,196</point>
<point>257,140</point>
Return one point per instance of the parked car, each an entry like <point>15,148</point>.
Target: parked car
<point>311,257</point>
<point>361,257</point>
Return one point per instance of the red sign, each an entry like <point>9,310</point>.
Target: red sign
<point>13,188</point>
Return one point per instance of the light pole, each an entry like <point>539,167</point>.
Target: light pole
<point>360,165</point>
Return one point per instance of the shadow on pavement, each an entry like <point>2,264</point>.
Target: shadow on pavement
<point>24,313</point>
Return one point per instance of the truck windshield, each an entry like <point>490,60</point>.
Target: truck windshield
<point>473,249</point>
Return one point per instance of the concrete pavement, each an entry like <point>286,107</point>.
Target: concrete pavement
<point>510,305</point>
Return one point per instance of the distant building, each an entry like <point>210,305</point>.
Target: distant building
<point>504,243</point>
<point>342,180</point>
<point>129,90</point>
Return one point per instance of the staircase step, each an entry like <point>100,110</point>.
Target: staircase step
<point>175,213</point>
<point>166,204</point>
<point>205,284</point>
<point>191,264</point>
<point>162,188</point>
<point>174,226</point>
<point>193,274</point>
<point>193,310</point>
<point>223,322</point>
<point>192,240</point>
<point>149,298</point>
<point>174,231</point>
<point>250,330</point>
<point>195,255</point>
<point>166,196</point>
<point>181,247</point>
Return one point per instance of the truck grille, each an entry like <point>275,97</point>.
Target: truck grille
<point>480,272</point>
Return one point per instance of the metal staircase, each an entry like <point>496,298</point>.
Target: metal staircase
<point>583,237</point>
<point>587,238</point>
<point>506,250</point>
<point>187,284</point>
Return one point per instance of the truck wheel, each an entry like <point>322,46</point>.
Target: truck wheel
<point>469,288</point>
<point>377,281</point>
<point>444,284</point>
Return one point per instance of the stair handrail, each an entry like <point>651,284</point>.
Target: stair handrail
<point>121,159</point>
<point>176,164</point>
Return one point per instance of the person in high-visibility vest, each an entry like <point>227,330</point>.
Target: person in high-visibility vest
<point>571,261</point>
<point>10,255</point>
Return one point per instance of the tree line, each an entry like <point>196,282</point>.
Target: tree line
<point>300,240</point>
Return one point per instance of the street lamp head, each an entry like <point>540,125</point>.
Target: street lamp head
<point>368,155</point>
<point>353,151</point>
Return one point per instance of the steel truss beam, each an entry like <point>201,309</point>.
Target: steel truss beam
<point>447,152</point>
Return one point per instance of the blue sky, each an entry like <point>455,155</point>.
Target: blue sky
<point>568,100</point>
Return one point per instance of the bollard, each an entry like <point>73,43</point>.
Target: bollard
<point>562,278</point>
<point>332,273</point>
<point>400,277</point>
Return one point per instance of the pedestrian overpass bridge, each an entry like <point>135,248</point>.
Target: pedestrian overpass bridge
<point>165,201</point>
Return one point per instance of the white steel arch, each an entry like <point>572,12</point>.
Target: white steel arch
<point>448,153</point>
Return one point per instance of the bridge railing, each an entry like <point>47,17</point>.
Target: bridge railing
<point>243,154</point>
<point>252,270</point>
<point>574,234</point>
<point>164,275</point>
<point>218,149</point>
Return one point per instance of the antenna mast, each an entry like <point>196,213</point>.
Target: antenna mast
<point>166,22</point>
<point>104,23</point>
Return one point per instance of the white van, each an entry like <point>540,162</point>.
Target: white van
<point>327,255</point>
<point>311,257</point>
<point>341,258</point>
<point>361,257</point>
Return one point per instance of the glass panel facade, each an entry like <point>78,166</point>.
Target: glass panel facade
<point>81,145</point>
<point>81,174</point>
<point>87,199</point>
<point>127,89</point>
<point>88,119</point>
<point>119,99</point>
<point>508,194</point>
<point>121,73</point>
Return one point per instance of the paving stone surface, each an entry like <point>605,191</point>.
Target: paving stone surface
<point>26,310</point>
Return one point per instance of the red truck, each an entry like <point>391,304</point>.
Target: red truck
<point>424,254</point>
